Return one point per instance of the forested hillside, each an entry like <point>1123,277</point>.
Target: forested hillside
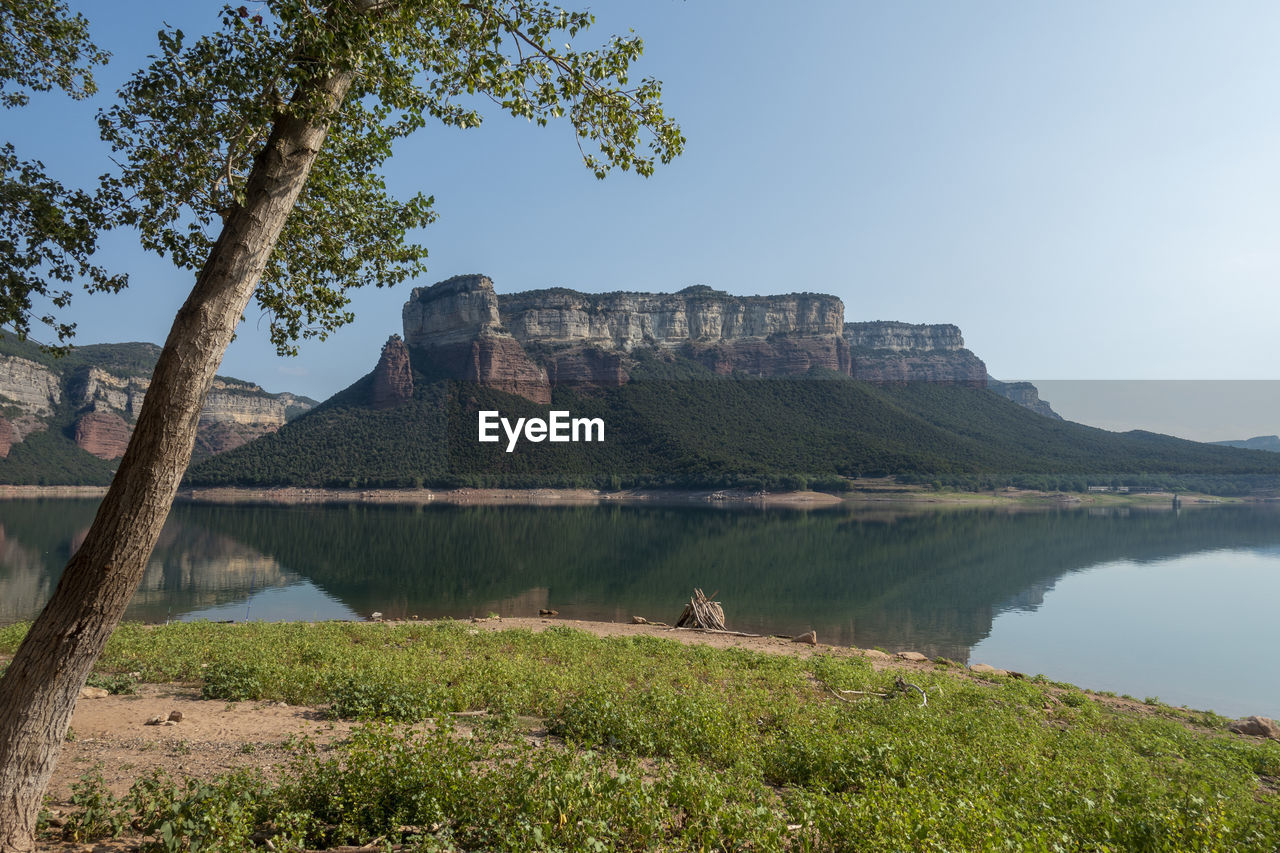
<point>698,432</point>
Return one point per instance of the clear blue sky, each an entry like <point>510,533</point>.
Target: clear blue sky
<point>1090,190</point>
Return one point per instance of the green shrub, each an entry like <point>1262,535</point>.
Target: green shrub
<point>234,681</point>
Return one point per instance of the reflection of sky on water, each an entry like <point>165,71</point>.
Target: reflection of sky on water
<point>1116,627</point>
<point>300,601</point>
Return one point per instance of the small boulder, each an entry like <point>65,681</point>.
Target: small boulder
<point>93,693</point>
<point>639,620</point>
<point>175,716</point>
<point>1257,726</point>
<point>914,656</point>
<point>809,638</point>
<point>988,669</point>
<point>876,654</point>
<point>548,612</point>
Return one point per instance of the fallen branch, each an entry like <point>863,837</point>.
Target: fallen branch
<point>724,631</point>
<point>899,686</point>
<point>903,685</point>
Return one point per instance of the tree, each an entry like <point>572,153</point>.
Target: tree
<point>47,232</point>
<point>252,156</point>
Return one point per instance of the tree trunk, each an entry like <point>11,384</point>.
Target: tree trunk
<point>38,692</point>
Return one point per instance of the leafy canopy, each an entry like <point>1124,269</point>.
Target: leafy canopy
<point>189,127</point>
<point>48,233</point>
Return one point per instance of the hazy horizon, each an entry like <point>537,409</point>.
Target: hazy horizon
<point>1196,409</point>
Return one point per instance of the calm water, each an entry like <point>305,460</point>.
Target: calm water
<point>1146,602</point>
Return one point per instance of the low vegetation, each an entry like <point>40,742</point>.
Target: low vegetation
<point>643,743</point>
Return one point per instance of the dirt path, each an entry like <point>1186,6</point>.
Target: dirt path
<point>212,737</point>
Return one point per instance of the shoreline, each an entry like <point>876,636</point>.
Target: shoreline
<point>865,492</point>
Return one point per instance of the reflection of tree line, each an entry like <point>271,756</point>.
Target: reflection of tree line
<point>192,567</point>
<point>931,581</point>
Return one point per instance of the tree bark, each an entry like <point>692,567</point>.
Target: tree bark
<point>38,692</point>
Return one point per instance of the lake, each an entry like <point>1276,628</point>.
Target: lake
<point>1149,602</point>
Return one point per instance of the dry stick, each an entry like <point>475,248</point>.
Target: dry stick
<point>717,631</point>
<point>851,701</point>
<point>903,685</point>
<point>898,683</point>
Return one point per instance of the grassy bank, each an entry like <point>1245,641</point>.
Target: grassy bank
<point>589,743</point>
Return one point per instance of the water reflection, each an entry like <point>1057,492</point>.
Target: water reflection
<point>931,581</point>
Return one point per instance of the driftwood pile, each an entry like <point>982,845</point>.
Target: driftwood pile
<point>702,612</point>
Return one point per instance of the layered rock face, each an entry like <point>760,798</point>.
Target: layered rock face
<point>393,377</point>
<point>102,404</point>
<point>699,315</point>
<point>894,353</point>
<point>31,386</point>
<point>760,335</point>
<point>888,335</point>
<point>456,325</point>
<point>99,391</point>
<point>527,343</point>
<point>104,434</point>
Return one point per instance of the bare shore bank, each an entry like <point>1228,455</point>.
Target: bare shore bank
<point>864,492</point>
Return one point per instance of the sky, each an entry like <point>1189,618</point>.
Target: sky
<point>1090,190</point>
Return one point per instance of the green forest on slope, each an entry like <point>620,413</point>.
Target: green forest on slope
<point>713,433</point>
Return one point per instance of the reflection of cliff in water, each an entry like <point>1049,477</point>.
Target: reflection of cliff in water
<point>932,581</point>
<point>191,567</point>
<point>25,585</point>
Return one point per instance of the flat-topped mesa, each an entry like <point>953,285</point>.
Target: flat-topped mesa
<point>762,335</point>
<point>526,343</point>
<point>698,315</point>
<point>888,352</point>
<point>891,335</point>
<point>455,323</point>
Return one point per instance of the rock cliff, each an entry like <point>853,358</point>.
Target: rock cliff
<point>104,434</point>
<point>891,352</point>
<point>1024,394</point>
<point>29,386</point>
<point>530,342</point>
<point>393,377</point>
<point>96,392</point>
<point>456,324</point>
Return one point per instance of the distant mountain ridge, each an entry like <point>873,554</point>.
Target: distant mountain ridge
<point>1260,442</point>
<point>65,420</point>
